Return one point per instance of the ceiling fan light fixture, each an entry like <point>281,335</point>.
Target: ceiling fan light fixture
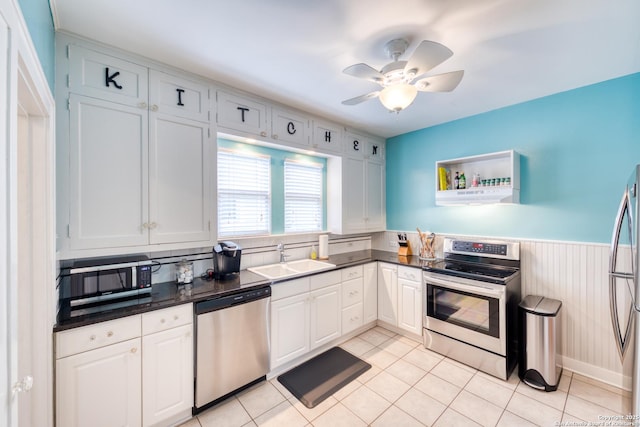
<point>398,97</point>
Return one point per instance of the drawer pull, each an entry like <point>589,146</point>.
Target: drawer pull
<point>162,320</point>
<point>92,338</point>
<point>176,317</point>
<point>110,334</point>
<point>133,350</point>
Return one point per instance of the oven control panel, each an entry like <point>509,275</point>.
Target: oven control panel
<point>479,248</point>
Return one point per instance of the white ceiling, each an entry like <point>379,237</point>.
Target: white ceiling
<point>294,51</point>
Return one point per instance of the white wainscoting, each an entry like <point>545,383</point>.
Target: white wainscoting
<point>575,273</point>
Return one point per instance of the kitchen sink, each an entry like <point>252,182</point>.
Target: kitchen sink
<point>285,270</point>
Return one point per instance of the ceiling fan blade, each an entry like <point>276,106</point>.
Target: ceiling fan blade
<point>445,82</point>
<point>361,98</point>
<point>364,71</point>
<point>427,55</point>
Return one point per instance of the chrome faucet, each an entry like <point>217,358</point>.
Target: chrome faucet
<point>280,248</point>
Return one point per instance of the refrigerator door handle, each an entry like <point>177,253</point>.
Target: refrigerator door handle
<point>622,342</point>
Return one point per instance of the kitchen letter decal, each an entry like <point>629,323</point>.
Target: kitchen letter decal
<point>356,145</point>
<point>242,111</point>
<point>291,128</point>
<point>108,79</point>
<point>327,136</point>
<point>374,150</point>
<point>180,92</point>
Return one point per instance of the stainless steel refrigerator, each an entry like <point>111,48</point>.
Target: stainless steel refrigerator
<point>624,296</point>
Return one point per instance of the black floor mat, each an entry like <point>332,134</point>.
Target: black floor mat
<point>318,378</point>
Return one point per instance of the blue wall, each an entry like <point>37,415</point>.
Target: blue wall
<point>37,14</point>
<point>577,150</point>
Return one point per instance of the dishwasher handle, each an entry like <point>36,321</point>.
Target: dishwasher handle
<point>231,300</point>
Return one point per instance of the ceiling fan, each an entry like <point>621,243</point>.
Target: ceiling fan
<point>401,80</point>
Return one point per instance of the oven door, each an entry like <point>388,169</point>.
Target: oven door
<point>467,310</point>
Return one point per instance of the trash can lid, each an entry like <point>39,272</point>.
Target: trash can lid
<point>540,305</point>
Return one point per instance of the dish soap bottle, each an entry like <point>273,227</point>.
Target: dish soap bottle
<point>462,182</point>
<point>314,253</point>
<point>456,182</point>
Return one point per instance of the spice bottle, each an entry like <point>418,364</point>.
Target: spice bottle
<point>462,183</point>
<point>456,182</point>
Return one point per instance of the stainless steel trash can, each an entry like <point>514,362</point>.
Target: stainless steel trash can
<point>540,365</point>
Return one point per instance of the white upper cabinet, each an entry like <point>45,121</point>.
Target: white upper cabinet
<point>289,127</point>
<point>140,156</point>
<point>327,137</point>
<point>357,187</point>
<point>106,77</point>
<point>242,114</point>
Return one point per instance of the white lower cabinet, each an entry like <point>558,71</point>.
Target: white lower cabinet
<point>98,375</point>
<point>325,315</point>
<point>352,297</point>
<point>289,328</point>
<point>410,299</point>
<point>388,293</point>
<point>370,292</point>
<point>133,371</point>
<point>167,365</point>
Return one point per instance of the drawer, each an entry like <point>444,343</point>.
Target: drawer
<point>352,292</point>
<point>289,288</point>
<point>319,281</point>
<point>351,272</point>
<point>90,337</point>
<point>409,273</point>
<point>161,320</point>
<point>352,318</point>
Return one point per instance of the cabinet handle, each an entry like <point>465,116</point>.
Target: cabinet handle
<point>154,107</point>
<point>263,134</point>
<point>274,136</point>
<point>162,320</point>
<point>153,225</point>
<point>133,350</point>
<point>92,338</point>
<point>176,317</point>
<point>142,105</point>
<point>110,334</point>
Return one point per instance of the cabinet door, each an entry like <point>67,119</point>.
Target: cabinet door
<point>410,306</point>
<point>177,96</point>
<point>353,194</point>
<point>327,137</point>
<point>325,311</point>
<point>180,160</point>
<point>106,77</point>
<point>370,289</point>
<point>290,128</point>
<point>289,329</point>
<point>242,114</point>
<point>100,387</point>
<point>167,374</point>
<point>375,196</point>
<point>108,174</point>
<point>388,293</point>
<point>355,145</point>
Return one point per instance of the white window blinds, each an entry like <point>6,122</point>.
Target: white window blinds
<point>303,189</point>
<point>244,196</point>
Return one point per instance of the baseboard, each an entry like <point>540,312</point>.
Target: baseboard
<point>615,379</point>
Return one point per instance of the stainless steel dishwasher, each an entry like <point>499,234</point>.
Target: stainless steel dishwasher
<point>232,344</point>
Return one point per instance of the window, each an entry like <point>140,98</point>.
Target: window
<point>303,203</point>
<point>244,195</point>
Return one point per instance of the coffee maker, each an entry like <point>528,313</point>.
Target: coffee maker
<point>226,259</point>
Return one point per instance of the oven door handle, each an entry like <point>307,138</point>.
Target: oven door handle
<point>477,289</point>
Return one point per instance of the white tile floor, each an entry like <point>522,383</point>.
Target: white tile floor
<point>408,385</point>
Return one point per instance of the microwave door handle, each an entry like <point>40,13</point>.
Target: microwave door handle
<point>622,342</point>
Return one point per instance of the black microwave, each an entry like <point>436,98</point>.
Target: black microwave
<point>98,285</point>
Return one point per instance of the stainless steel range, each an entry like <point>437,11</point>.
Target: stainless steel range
<point>471,304</point>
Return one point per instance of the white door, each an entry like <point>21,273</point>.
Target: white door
<point>326,313</point>
<point>375,191</point>
<point>167,374</point>
<point>180,158</point>
<point>100,388</point>
<point>108,174</point>
<point>289,329</point>
<point>388,293</point>
<point>410,306</point>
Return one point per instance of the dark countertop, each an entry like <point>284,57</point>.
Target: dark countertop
<point>168,294</point>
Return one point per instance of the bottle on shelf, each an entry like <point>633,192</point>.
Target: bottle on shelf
<point>456,182</point>
<point>476,180</point>
<point>462,182</point>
